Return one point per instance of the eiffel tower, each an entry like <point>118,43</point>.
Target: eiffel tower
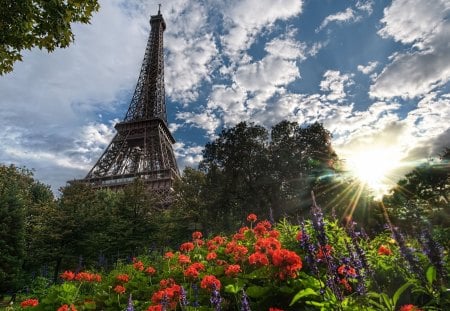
<point>142,147</point>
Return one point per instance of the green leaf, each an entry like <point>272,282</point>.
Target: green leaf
<point>303,293</point>
<point>431,275</point>
<point>257,291</point>
<point>233,288</point>
<point>399,292</point>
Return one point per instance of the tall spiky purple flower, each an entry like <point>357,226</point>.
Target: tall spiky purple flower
<point>409,255</point>
<point>183,299</point>
<point>435,254</point>
<point>215,299</point>
<point>130,306</point>
<point>245,305</point>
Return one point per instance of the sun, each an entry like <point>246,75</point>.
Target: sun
<point>373,168</point>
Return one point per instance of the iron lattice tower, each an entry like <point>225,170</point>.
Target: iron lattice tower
<point>142,147</point>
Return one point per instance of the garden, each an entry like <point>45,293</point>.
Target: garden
<point>316,264</point>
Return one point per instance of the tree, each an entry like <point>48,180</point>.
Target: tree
<point>26,24</point>
<point>20,197</point>
<point>423,195</point>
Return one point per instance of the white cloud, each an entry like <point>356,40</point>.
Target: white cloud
<point>345,16</point>
<point>205,120</point>
<point>366,6</point>
<point>270,72</point>
<point>334,82</point>
<point>370,67</point>
<point>191,50</point>
<point>415,73</point>
<point>287,48</point>
<point>229,103</point>
<point>246,18</point>
<point>187,155</point>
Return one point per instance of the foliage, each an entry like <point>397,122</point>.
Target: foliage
<point>20,197</point>
<point>45,24</point>
<point>423,195</point>
<point>316,265</point>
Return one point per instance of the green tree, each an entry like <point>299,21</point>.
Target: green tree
<point>423,195</point>
<point>20,200</point>
<point>26,24</point>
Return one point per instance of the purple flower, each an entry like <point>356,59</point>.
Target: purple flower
<point>130,304</point>
<point>215,299</point>
<point>245,306</point>
<point>183,300</point>
<point>435,254</point>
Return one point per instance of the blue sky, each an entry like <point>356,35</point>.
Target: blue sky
<point>375,73</point>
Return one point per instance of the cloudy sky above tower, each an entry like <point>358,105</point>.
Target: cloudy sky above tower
<point>376,73</point>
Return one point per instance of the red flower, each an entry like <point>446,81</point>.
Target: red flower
<point>262,228</point>
<point>252,217</point>
<point>187,247</point>
<point>124,278</point>
<point>288,261</point>
<point>119,289</point>
<point>210,282</point>
<point>274,234</point>
<point>150,270</point>
<point>409,307</point>
<point>275,309</point>
<point>164,283</point>
<point>211,256</point>
<point>88,277</point>
<point>384,250</point>
<point>155,308</point>
<point>67,275</point>
<point>258,259</point>
<point>168,255</point>
<point>232,270</point>
<point>347,271</point>
<point>238,251</point>
<point>197,235</point>
<point>183,259</point>
<point>67,308</point>
<point>29,303</point>
<point>346,284</point>
<point>267,245</point>
<point>138,265</point>
<point>191,272</point>
<point>324,251</point>
<point>299,236</point>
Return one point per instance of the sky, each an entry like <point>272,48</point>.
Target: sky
<point>376,73</point>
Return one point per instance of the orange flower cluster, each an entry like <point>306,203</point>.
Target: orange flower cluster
<point>384,250</point>
<point>124,278</point>
<point>67,308</point>
<point>119,289</point>
<point>288,262</point>
<point>409,307</point>
<point>210,282</point>
<point>252,217</point>
<point>193,270</point>
<point>324,252</point>
<point>169,292</point>
<point>138,265</point>
<point>29,303</point>
<point>236,250</point>
<point>232,270</point>
<point>183,259</point>
<point>150,270</point>
<point>81,276</point>
<point>187,247</point>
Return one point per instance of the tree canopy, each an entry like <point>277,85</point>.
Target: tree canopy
<point>26,24</point>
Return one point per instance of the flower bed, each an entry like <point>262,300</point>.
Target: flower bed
<point>316,265</point>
